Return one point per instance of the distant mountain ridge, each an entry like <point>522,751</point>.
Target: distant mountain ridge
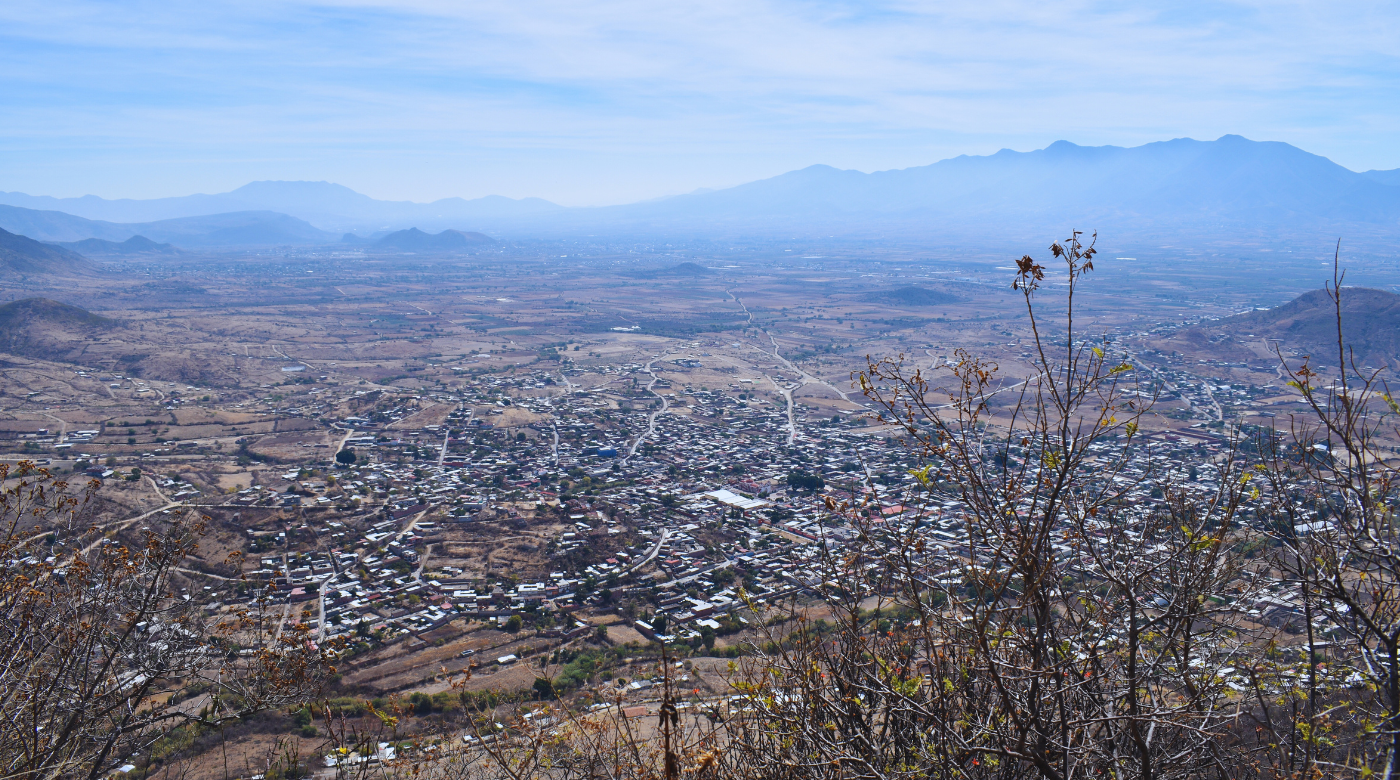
<point>1391,177</point>
<point>1230,187</point>
<point>215,231</point>
<point>331,207</point>
<point>1173,186</point>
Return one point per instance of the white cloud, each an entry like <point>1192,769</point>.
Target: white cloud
<point>612,101</point>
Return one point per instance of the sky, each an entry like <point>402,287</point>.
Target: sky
<point>593,103</point>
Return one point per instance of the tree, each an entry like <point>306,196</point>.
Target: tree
<point>801,480</point>
<point>514,623</point>
<point>1062,640</point>
<point>1335,493</point>
<point>345,457</point>
<point>96,647</point>
<point>586,588</point>
<point>544,689</point>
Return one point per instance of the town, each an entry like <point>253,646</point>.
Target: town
<point>627,501</point>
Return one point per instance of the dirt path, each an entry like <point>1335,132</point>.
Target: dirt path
<point>62,426</point>
<point>804,378</point>
<point>121,525</point>
<point>422,564</point>
<point>341,445</point>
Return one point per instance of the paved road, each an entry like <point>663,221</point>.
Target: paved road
<point>651,418</point>
<point>411,523</point>
<point>655,550</point>
<point>442,454</point>
<point>554,421</point>
<point>422,564</point>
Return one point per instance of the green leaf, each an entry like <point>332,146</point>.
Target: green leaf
<point>1120,368</point>
<point>922,475</point>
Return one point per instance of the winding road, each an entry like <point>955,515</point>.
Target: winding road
<point>804,378</point>
<point>651,418</point>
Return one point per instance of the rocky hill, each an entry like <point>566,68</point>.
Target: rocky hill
<point>446,242</point>
<point>1308,323</point>
<point>136,245</point>
<point>910,296</point>
<point>47,329</point>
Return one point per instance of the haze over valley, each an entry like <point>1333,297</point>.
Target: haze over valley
<point>714,391</point>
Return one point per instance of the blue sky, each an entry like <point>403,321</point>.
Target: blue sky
<point>606,102</point>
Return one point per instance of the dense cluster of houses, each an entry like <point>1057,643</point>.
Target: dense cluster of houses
<point>702,502</point>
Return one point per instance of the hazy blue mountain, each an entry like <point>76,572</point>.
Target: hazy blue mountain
<point>136,245</point>
<point>1231,187</point>
<point>235,229</point>
<point>415,240</point>
<point>239,228</point>
<point>1391,177</point>
<point>1173,186</point>
<point>58,226</point>
<point>326,205</point>
<point>22,255</point>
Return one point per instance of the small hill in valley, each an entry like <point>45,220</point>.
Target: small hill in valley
<point>448,241</point>
<point>136,245</point>
<point>47,329</point>
<point>1308,323</point>
<point>910,295</point>
<point>22,255</point>
<point>680,271</point>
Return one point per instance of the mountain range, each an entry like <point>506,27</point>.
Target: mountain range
<point>1230,186</point>
<point>232,229</point>
<point>331,207</point>
<point>1179,186</point>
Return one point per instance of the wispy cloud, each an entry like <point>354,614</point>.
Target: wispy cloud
<point>613,101</point>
